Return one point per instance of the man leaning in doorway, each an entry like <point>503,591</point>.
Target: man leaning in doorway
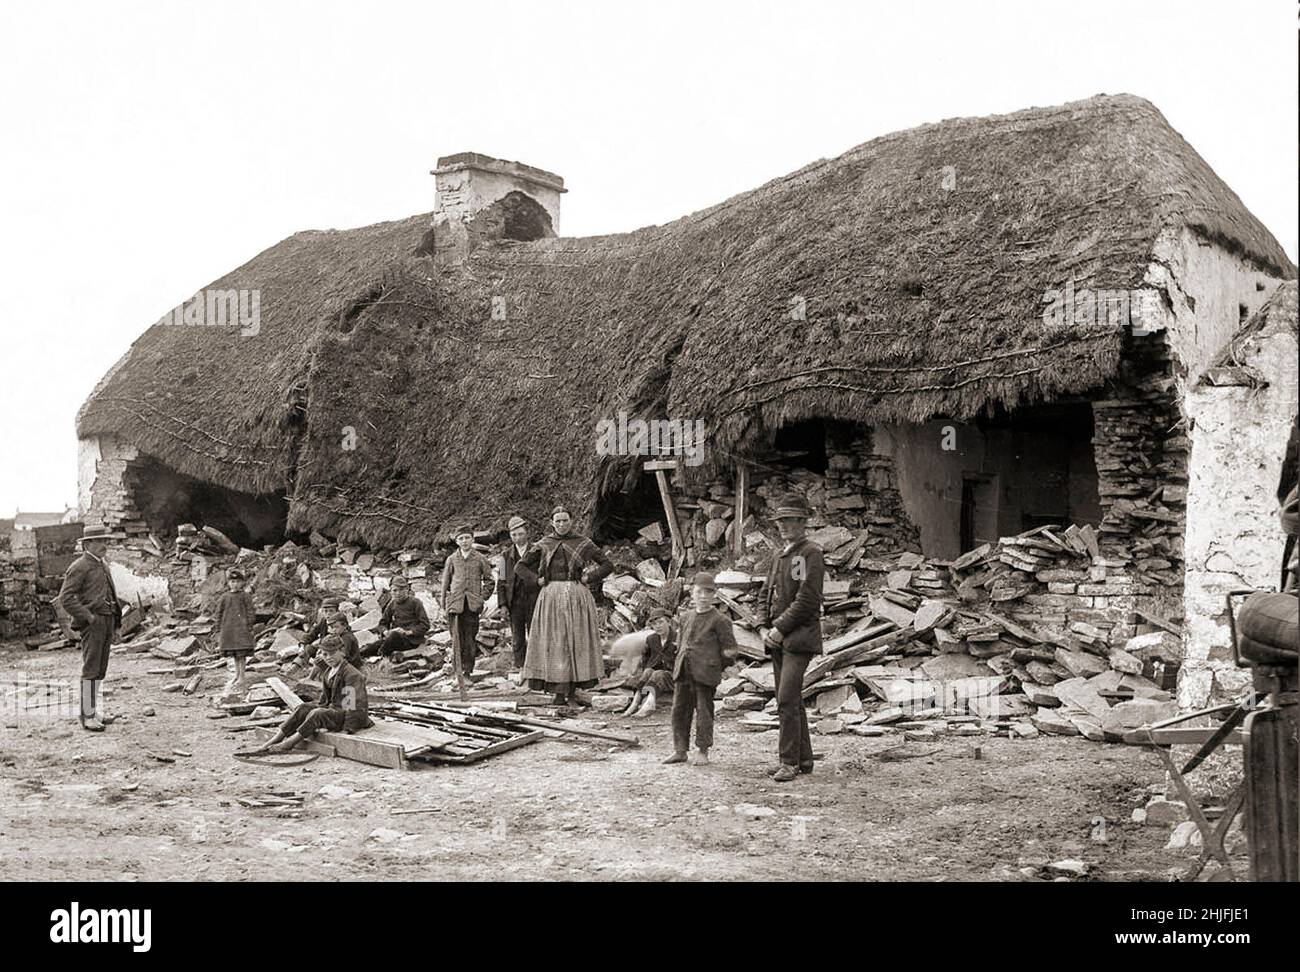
<point>89,597</point>
<point>792,604</point>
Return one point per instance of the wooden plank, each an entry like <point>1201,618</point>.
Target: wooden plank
<point>659,465</point>
<point>679,545</point>
<point>406,734</point>
<point>1179,736</point>
<point>508,719</point>
<point>492,749</point>
<point>738,517</point>
<point>849,639</point>
<point>372,751</point>
<point>1159,622</point>
<point>742,612</point>
<point>287,695</point>
<point>823,665</point>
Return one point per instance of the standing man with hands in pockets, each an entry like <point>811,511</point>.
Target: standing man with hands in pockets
<point>792,605</point>
<point>89,597</point>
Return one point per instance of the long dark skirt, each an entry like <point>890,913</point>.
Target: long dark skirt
<point>564,643</point>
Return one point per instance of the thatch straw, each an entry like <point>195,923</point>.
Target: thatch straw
<point>923,297</point>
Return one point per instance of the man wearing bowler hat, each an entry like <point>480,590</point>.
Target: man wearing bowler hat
<point>516,590</point>
<point>792,605</point>
<point>89,597</point>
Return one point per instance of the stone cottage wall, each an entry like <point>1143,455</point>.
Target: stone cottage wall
<point>1234,539</point>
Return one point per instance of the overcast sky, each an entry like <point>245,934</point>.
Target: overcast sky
<point>151,147</point>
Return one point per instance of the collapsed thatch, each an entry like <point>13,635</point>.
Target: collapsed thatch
<point>920,261</point>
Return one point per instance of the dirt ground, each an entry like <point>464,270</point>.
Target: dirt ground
<point>96,807</point>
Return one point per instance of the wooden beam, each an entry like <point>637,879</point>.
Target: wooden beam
<point>738,518</point>
<point>670,511</point>
<point>657,465</point>
<point>742,612</point>
<point>1180,736</point>
<point>511,719</point>
<point>287,695</point>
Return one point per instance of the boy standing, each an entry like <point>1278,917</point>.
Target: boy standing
<point>234,619</point>
<point>466,585</point>
<point>707,646</point>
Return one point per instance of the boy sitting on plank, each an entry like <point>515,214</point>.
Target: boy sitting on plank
<point>344,706</point>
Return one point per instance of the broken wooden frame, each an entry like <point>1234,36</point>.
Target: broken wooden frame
<point>441,733</point>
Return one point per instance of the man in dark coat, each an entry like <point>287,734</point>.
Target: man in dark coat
<point>89,597</point>
<point>792,604</point>
<point>517,592</point>
<point>344,706</point>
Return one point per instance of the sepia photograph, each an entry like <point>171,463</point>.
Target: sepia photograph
<point>448,449</point>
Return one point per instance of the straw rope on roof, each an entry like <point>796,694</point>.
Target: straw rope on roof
<point>899,281</point>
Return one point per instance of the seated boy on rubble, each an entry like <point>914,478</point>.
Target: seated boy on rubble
<point>343,707</point>
<point>404,621</point>
<point>338,627</point>
<point>329,606</point>
<point>649,655</point>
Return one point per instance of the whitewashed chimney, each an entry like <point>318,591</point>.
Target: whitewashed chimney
<point>480,198</point>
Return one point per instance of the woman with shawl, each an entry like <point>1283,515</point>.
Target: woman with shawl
<point>564,646</point>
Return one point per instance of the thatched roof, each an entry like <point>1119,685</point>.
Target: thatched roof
<point>923,296</point>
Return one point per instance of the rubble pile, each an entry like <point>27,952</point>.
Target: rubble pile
<point>1001,639</point>
<point>857,496</point>
<point>289,583</point>
<point>1022,636</point>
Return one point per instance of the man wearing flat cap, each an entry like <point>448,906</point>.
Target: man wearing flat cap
<point>517,591</point>
<point>466,585</point>
<point>791,603</point>
<point>89,597</point>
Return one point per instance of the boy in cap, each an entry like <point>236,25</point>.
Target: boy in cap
<point>791,602</point>
<point>707,646</point>
<point>329,606</point>
<point>234,619</point>
<point>653,651</point>
<point>517,590</point>
<point>344,706</point>
<point>466,585</point>
<point>338,627</point>
<point>404,621</point>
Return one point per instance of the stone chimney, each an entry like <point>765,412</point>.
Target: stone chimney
<point>480,199</point>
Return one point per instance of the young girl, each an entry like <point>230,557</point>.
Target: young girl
<point>234,623</point>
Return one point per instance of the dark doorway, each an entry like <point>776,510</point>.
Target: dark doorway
<point>167,498</point>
